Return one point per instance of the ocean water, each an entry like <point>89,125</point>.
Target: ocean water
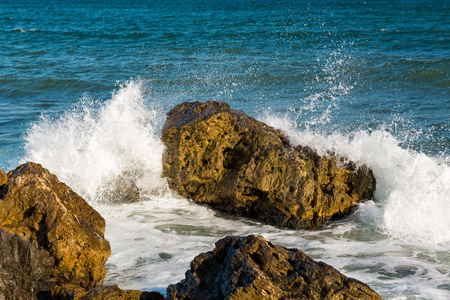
<point>85,86</point>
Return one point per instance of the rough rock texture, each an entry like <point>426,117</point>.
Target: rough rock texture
<point>25,270</point>
<point>37,206</point>
<point>72,292</point>
<point>253,268</point>
<point>237,164</point>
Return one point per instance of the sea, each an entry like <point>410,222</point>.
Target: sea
<point>85,87</point>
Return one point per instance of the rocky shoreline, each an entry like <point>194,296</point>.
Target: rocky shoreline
<point>52,243</point>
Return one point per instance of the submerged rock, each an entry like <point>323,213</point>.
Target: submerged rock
<point>25,270</point>
<point>122,189</point>
<point>44,211</point>
<point>253,268</point>
<point>237,164</point>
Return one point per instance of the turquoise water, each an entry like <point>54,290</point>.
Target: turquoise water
<point>85,86</point>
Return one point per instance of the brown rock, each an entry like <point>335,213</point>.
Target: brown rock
<point>237,164</point>
<point>44,211</point>
<point>3,178</point>
<point>108,292</point>
<point>25,270</point>
<point>253,268</point>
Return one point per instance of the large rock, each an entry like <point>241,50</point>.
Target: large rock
<point>237,164</point>
<point>44,211</point>
<point>25,270</point>
<point>253,268</point>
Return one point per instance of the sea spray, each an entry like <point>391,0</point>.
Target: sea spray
<point>413,189</point>
<point>154,241</point>
<point>94,143</point>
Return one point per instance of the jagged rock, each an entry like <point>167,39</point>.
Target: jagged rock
<point>253,268</point>
<point>108,292</point>
<point>237,164</point>
<point>25,270</point>
<point>44,211</point>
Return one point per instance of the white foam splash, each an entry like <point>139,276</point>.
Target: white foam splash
<point>19,29</point>
<point>94,143</point>
<point>154,240</point>
<point>413,189</point>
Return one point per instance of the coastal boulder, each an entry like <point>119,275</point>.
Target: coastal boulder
<point>25,270</point>
<point>253,268</point>
<point>234,163</point>
<point>44,211</point>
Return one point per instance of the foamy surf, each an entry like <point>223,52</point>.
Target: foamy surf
<point>94,143</point>
<point>396,243</point>
<point>413,189</point>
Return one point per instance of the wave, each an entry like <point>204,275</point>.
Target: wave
<point>95,143</point>
<point>21,30</point>
<point>413,191</point>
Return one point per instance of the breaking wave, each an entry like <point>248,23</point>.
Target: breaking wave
<point>95,143</point>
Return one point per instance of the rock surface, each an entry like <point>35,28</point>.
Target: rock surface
<point>253,268</point>
<point>37,206</point>
<point>237,164</point>
<point>109,292</point>
<point>25,270</point>
<point>3,178</point>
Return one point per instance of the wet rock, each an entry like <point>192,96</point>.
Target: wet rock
<point>73,292</point>
<point>122,189</point>
<point>253,268</point>
<point>44,211</point>
<point>239,165</point>
<point>25,270</point>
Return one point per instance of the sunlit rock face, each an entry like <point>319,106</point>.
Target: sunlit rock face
<point>47,213</point>
<point>234,163</point>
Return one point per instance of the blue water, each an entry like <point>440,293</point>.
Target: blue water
<point>85,85</point>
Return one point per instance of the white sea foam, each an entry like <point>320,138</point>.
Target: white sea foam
<point>412,199</point>
<point>19,29</point>
<point>154,240</point>
<point>94,143</point>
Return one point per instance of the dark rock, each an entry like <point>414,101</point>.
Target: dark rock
<point>108,292</point>
<point>253,268</point>
<point>44,211</point>
<point>67,292</point>
<point>25,270</point>
<point>239,165</point>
